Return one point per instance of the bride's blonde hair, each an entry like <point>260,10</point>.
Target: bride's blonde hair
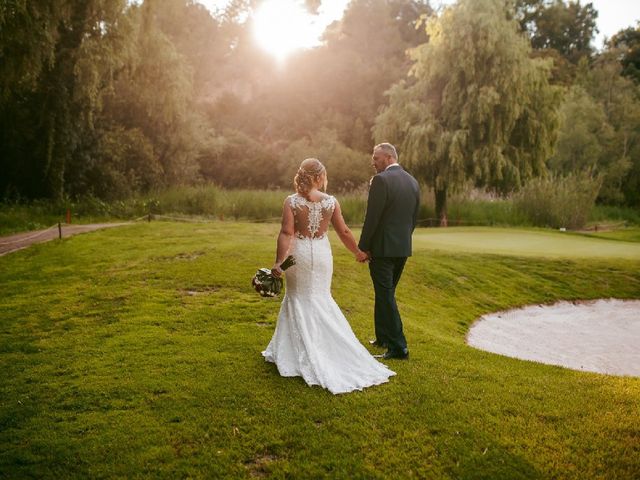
<point>309,173</point>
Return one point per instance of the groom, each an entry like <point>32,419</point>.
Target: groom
<point>392,213</point>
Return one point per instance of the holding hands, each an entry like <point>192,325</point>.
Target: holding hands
<point>362,256</point>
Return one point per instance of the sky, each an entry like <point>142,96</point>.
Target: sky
<point>613,15</point>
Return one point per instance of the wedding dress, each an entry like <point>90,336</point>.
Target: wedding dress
<point>312,338</point>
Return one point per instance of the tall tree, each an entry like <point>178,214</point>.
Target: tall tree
<point>583,134</point>
<point>338,85</point>
<point>56,99</point>
<point>28,36</point>
<point>365,54</point>
<point>198,37</point>
<point>619,98</point>
<point>155,95</point>
<point>331,91</point>
<point>567,27</point>
<point>110,109</point>
<point>560,30</point>
<point>626,43</point>
<point>476,106</point>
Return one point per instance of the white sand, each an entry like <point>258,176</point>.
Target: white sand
<point>596,336</point>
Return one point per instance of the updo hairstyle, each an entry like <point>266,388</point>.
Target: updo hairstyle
<point>308,175</point>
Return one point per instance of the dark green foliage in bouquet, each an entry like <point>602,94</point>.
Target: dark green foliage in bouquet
<point>266,283</point>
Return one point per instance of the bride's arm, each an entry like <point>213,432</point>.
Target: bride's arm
<point>284,237</point>
<point>345,235</point>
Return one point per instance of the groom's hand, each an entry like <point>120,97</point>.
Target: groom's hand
<point>362,256</point>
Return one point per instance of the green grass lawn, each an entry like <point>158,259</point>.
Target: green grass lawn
<point>135,352</point>
<point>623,234</point>
<point>531,243</point>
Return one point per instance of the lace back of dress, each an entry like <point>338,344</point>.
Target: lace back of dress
<point>311,219</point>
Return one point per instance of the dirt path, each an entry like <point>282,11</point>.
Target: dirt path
<point>19,241</point>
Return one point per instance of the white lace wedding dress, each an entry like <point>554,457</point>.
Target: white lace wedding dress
<point>313,338</point>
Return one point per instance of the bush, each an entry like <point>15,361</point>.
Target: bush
<point>121,163</point>
<point>559,201</point>
<point>347,169</point>
<point>237,160</point>
<point>610,213</point>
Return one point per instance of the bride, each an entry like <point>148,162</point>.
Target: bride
<point>313,338</point>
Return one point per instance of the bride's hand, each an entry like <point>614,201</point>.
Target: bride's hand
<point>276,270</point>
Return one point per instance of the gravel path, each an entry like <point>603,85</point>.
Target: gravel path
<point>19,241</point>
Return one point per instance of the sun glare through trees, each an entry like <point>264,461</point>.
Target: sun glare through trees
<point>283,26</point>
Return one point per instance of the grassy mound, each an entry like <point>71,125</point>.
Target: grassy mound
<point>135,352</point>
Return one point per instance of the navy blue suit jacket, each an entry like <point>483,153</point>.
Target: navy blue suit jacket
<point>392,214</point>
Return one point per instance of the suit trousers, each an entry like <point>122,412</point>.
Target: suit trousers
<point>385,274</point>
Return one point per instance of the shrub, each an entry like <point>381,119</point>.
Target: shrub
<point>237,160</point>
<point>347,169</point>
<point>611,213</point>
<point>559,201</point>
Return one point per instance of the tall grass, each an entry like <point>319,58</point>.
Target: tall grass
<point>208,202</point>
<point>24,217</point>
<point>610,213</point>
<point>482,212</point>
<point>259,205</point>
<point>559,202</point>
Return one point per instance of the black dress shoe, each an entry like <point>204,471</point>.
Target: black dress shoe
<point>376,343</point>
<point>401,355</point>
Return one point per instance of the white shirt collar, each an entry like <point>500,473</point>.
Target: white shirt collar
<point>392,165</point>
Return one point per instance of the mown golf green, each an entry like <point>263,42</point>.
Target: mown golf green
<point>529,243</point>
<point>135,352</point>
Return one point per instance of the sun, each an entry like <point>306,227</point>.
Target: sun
<point>283,26</point>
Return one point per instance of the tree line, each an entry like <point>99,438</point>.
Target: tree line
<point>112,97</point>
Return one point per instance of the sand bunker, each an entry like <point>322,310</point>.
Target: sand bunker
<point>596,336</point>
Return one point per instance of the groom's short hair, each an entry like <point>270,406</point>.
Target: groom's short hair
<point>388,149</point>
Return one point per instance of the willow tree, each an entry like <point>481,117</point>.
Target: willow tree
<point>28,35</point>
<point>475,108</point>
<point>56,58</point>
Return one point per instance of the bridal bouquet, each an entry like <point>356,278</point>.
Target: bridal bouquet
<point>266,283</point>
